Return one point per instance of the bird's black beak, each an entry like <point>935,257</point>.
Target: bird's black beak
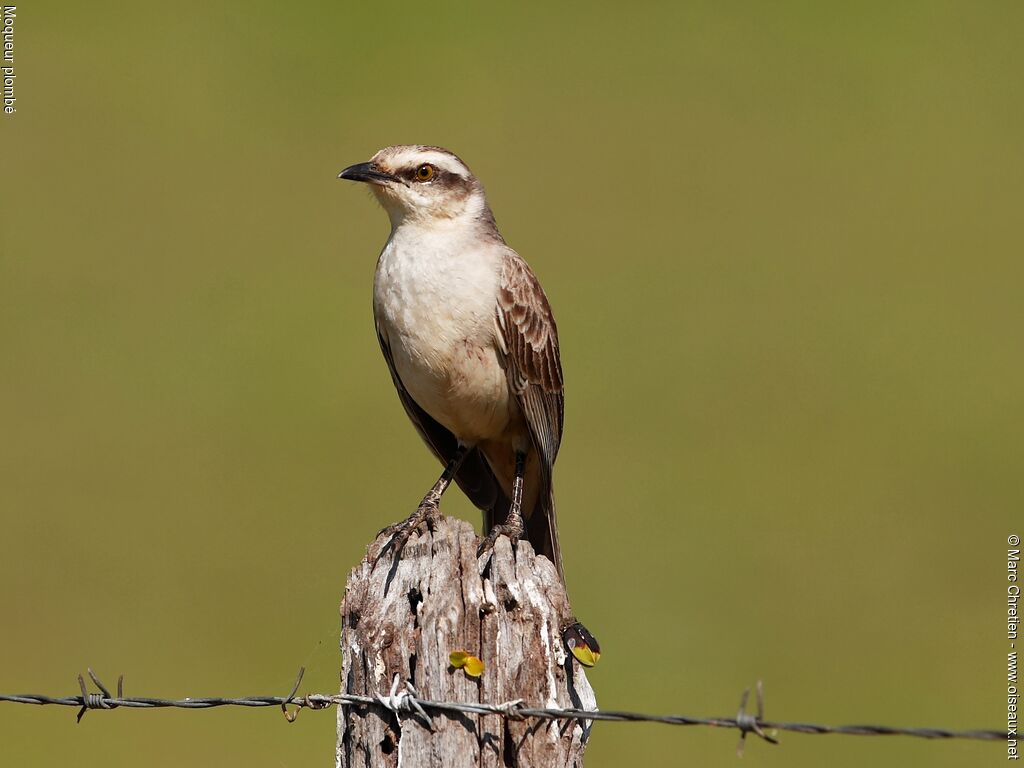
<point>367,172</point>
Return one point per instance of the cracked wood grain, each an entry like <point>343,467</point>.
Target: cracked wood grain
<point>405,617</point>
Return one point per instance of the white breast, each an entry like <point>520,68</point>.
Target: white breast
<point>434,302</point>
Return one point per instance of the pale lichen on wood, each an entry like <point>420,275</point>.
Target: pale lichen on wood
<point>406,617</point>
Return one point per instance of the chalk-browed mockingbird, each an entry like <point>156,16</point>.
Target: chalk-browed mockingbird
<point>471,343</point>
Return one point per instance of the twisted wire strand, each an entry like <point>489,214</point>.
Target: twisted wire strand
<point>408,702</point>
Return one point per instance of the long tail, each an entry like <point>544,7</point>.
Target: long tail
<point>542,529</point>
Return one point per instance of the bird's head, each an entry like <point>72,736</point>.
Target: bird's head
<point>422,184</point>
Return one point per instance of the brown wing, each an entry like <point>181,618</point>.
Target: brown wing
<point>534,371</point>
<point>474,476</point>
<point>533,366</point>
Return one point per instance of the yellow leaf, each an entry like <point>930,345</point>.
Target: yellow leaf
<point>468,663</point>
<point>474,667</point>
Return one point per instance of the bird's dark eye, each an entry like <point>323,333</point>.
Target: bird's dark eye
<point>425,172</point>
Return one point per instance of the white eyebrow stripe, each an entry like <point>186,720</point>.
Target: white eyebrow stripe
<point>438,159</point>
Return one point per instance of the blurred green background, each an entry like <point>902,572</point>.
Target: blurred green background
<point>783,242</point>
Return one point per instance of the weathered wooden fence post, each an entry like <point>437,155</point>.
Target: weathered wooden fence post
<point>407,617</point>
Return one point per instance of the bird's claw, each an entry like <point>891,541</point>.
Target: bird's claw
<point>427,512</point>
<point>513,529</point>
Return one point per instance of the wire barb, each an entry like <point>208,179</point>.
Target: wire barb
<point>414,701</point>
<point>405,702</point>
<point>511,709</point>
<point>748,723</point>
<point>97,700</point>
<point>290,716</point>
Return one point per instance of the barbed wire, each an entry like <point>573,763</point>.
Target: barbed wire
<point>406,700</point>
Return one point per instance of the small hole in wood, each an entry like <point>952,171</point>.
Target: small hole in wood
<point>387,744</point>
<point>415,598</point>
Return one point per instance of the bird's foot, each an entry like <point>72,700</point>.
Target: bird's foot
<point>427,512</point>
<point>512,527</point>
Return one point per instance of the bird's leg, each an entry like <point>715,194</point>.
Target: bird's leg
<point>513,525</point>
<point>428,509</point>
